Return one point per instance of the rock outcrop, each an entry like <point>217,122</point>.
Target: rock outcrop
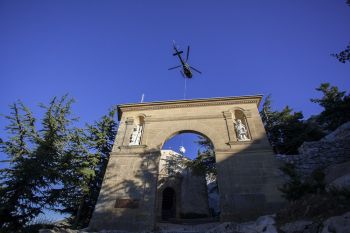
<point>338,176</point>
<point>331,150</point>
<point>264,224</point>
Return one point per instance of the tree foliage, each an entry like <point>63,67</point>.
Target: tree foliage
<point>336,107</point>
<point>100,137</point>
<point>205,162</point>
<point>20,184</point>
<point>59,166</point>
<point>296,187</point>
<point>286,130</point>
<point>343,56</point>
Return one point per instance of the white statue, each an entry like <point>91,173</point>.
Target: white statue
<point>135,138</point>
<point>241,131</point>
<point>182,150</point>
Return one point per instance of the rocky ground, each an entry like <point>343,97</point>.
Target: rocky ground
<point>327,211</point>
<point>264,224</point>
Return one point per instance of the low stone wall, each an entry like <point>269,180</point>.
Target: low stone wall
<point>331,150</point>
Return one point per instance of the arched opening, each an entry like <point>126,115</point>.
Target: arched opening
<point>168,203</point>
<point>188,165</point>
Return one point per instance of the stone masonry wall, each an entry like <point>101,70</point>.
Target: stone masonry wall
<point>330,150</point>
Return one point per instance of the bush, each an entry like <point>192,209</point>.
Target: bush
<point>297,187</point>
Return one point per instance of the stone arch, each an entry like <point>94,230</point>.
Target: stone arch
<point>186,131</point>
<point>189,127</point>
<point>246,170</point>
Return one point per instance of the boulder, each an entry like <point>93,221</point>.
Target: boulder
<point>296,227</point>
<point>58,230</point>
<point>264,224</point>
<point>338,175</point>
<point>47,231</point>
<point>331,150</point>
<point>341,132</point>
<point>338,224</point>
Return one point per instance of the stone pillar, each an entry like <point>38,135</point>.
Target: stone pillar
<point>230,128</point>
<point>250,125</point>
<point>248,181</point>
<point>128,130</point>
<point>128,193</point>
<point>144,133</point>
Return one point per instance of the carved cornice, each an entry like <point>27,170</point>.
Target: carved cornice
<point>189,103</point>
<point>244,142</point>
<point>179,118</point>
<point>249,150</point>
<point>129,149</point>
<point>132,147</point>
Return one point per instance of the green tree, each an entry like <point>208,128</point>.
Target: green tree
<point>205,162</point>
<point>343,56</point>
<point>59,167</point>
<point>297,187</point>
<point>100,138</point>
<point>336,106</point>
<point>286,130</point>
<point>76,168</point>
<point>20,185</point>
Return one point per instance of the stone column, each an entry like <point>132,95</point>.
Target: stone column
<point>230,129</point>
<point>144,133</point>
<point>128,128</point>
<point>250,125</point>
<point>248,181</point>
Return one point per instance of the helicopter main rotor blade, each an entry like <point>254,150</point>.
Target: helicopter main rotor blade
<point>195,69</point>
<point>188,53</point>
<point>174,67</point>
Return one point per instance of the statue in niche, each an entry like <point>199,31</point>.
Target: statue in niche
<point>241,131</point>
<point>135,138</point>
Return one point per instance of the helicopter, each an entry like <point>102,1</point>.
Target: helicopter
<point>186,68</point>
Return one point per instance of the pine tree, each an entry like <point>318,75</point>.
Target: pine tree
<point>59,167</point>
<point>20,185</point>
<point>287,130</point>
<point>336,107</point>
<point>100,137</point>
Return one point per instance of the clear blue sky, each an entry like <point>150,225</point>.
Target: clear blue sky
<point>109,52</point>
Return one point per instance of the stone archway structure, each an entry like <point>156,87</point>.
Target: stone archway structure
<point>247,172</point>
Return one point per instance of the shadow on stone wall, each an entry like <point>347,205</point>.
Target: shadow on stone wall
<point>126,200</point>
<point>248,181</point>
